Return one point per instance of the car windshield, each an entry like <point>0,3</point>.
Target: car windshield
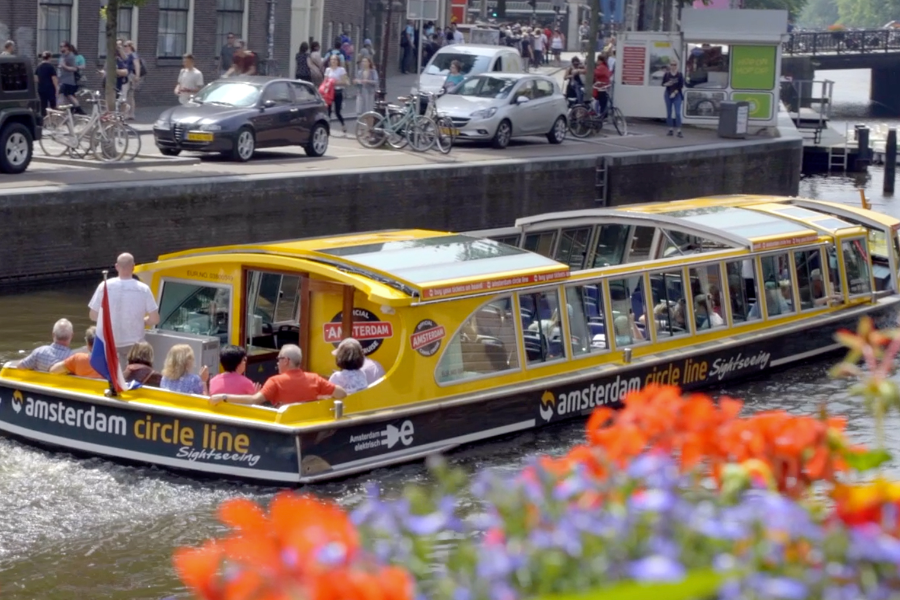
<point>469,64</point>
<point>233,93</point>
<point>486,87</point>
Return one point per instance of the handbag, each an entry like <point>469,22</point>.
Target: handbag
<point>326,89</point>
<point>315,73</point>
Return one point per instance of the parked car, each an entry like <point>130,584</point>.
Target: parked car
<point>237,115</point>
<point>502,106</point>
<point>474,59</point>
<point>20,114</point>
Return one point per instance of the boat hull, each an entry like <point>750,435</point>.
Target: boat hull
<point>180,440</point>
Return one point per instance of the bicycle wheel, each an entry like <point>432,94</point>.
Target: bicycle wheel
<point>367,132</point>
<point>618,120</point>
<point>55,134</point>
<point>109,141</point>
<point>445,135</point>
<point>132,144</point>
<point>422,133</point>
<point>81,124</point>
<point>392,125</point>
<point>579,119</point>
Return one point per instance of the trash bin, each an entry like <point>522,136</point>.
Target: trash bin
<point>733,117</point>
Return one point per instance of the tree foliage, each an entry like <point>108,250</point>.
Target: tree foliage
<point>867,13</point>
<point>794,7</point>
<point>819,14</point>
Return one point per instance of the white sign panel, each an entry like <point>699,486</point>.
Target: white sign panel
<point>422,10</point>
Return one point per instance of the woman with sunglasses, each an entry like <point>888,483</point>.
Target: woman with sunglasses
<point>673,85</point>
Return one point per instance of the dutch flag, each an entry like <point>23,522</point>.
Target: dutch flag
<point>104,358</point>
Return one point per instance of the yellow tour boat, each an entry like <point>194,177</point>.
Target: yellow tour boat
<point>480,335</point>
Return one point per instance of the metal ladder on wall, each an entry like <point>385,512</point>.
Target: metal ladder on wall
<point>838,156</point>
<point>601,177</point>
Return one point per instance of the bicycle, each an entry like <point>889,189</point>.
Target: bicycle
<point>99,132</point>
<point>398,127</point>
<point>446,131</point>
<point>584,120</point>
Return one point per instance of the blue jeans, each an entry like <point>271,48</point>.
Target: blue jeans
<point>673,103</point>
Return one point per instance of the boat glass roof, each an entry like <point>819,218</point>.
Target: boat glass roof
<point>748,224</point>
<point>441,258</point>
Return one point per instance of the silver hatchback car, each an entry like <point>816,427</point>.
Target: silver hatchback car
<point>502,106</point>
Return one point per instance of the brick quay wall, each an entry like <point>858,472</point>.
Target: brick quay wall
<point>51,233</point>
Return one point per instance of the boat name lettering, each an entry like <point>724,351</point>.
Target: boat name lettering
<point>214,444</point>
<point>209,276</point>
<point>589,396</point>
<point>722,367</point>
<point>368,329</point>
<point>192,454</point>
<point>389,436</point>
<point>55,411</point>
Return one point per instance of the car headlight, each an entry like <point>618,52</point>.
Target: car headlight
<point>210,127</point>
<point>161,124</point>
<point>484,113</point>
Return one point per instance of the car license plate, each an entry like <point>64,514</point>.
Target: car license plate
<point>450,131</point>
<point>196,136</point>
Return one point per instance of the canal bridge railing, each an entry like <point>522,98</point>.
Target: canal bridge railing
<point>863,41</point>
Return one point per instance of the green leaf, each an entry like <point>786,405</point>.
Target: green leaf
<point>695,586</point>
<point>865,461</point>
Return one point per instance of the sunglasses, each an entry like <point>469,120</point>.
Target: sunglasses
<point>282,358</point>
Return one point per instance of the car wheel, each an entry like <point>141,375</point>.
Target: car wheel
<point>503,135</point>
<point>15,148</point>
<point>244,145</point>
<point>318,141</point>
<point>169,151</point>
<point>557,134</point>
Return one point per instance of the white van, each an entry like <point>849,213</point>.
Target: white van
<point>473,58</point>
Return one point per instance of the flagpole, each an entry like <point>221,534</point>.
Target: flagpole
<point>111,392</point>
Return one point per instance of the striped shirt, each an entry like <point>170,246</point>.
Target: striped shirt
<point>41,359</point>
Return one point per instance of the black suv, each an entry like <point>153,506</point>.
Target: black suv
<point>20,114</point>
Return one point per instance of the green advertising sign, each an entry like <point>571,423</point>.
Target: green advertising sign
<point>760,104</point>
<point>753,68</point>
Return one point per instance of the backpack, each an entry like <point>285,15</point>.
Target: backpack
<point>142,68</point>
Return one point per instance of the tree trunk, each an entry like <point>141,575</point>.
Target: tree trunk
<point>112,25</point>
<point>385,49</point>
<point>592,51</point>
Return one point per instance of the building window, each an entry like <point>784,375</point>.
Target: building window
<point>123,27</point>
<point>229,19</point>
<point>173,28</point>
<point>55,24</point>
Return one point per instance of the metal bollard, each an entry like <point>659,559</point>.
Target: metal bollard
<point>890,161</point>
<point>338,410</point>
<point>864,153</point>
<point>626,355</point>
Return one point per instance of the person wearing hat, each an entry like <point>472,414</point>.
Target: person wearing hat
<point>349,358</point>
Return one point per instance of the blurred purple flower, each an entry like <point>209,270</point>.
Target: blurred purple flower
<point>869,543</point>
<point>462,593</point>
<point>656,501</point>
<point>425,524</point>
<point>656,568</point>
<point>731,590</point>
<point>778,588</point>
<point>656,469</point>
<point>573,485</point>
<point>331,554</point>
<point>496,563</point>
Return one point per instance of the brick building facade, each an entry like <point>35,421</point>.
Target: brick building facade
<point>163,30</point>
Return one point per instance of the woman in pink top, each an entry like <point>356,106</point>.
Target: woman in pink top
<point>232,381</point>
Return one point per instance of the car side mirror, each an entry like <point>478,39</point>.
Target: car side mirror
<point>522,99</point>
<point>268,104</point>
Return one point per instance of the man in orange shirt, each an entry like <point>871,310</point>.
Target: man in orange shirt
<point>290,386</point>
<point>79,364</point>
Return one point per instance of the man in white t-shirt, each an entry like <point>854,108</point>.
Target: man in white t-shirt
<point>190,80</point>
<point>131,304</point>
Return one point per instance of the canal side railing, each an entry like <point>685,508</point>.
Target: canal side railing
<point>862,41</point>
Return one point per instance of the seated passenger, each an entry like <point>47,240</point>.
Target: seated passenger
<point>349,358</point>
<point>820,297</point>
<point>627,331</point>
<point>44,357</point>
<point>715,297</point>
<point>232,381</point>
<point>706,318</point>
<point>176,373</point>
<point>775,303</point>
<point>373,370</point>
<point>79,363</point>
<point>290,386</point>
<point>140,365</point>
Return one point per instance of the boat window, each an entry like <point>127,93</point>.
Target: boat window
<point>641,244</point>
<point>742,290</point>
<point>810,283</point>
<point>195,308</point>
<point>509,240</point>
<point>273,307</point>
<point>573,247</point>
<point>628,300</point>
<point>610,245</point>
<point>706,288</point>
<point>834,274</point>
<point>670,310</point>
<point>856,264</point>
<point>776,271</point>
<point>541,326</point>
<point>485,344</point>
<point>541,242</point>
<point>587,320</point>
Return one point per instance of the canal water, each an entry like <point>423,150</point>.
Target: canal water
<point>77,528</point>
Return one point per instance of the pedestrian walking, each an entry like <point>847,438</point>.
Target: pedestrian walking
<point>405,51</point>
<point>557,44</point>
<point>66,73</point>
<point>316,65</point>
<point>539,44</point>
<point>338,76</point>
<point>136,72</point>
<point>301,60</point>
<point>366,83</point>
<point>190,80</point>
<point>673,85</point>
<point>226,54</point>
<point>47,82</point>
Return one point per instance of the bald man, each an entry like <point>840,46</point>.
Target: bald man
<point>132,306</point>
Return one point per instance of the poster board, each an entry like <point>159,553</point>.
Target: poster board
<point>725,55</point>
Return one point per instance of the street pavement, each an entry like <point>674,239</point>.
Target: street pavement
<point>344,154</point>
